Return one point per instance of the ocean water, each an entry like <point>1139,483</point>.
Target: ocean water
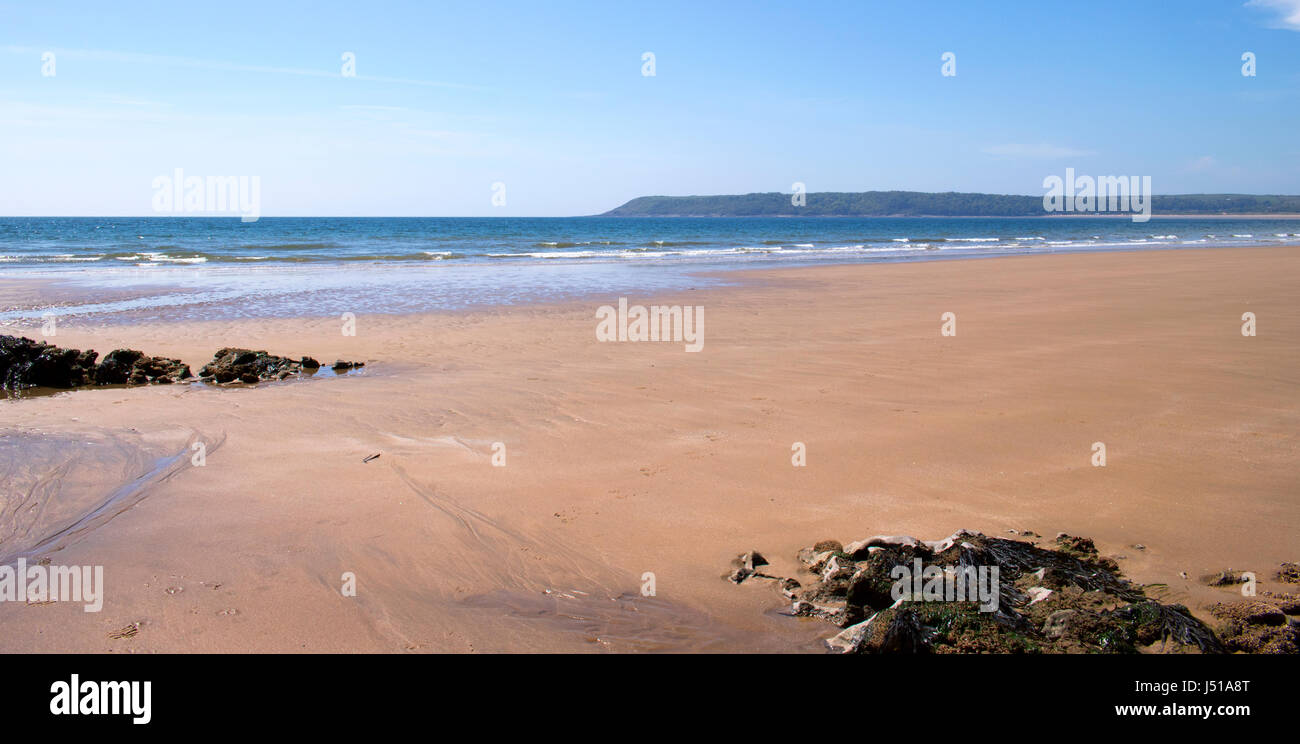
<point>173,268</point>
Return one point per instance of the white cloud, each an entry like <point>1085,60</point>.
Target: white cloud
<point>1203,163</point>
<point>1042,152</point>
<point>1288,12</point>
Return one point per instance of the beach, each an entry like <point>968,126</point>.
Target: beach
<point>529,477</point>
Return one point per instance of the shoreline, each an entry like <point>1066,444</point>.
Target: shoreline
<point>625,458</point>
<point>20,296</point>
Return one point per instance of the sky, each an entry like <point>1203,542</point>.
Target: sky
<point>546,105</point>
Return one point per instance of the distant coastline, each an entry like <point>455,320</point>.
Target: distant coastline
<point>940,204</point>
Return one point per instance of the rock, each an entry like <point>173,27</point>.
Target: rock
<point>1289,573</point>
<point>904,634</point>
<point>1057,622</point>
<point>837,568</point>
<point>118,366</point>
<point>1072,544</point>
<point>25,363</point>
<point>139,369</point>
<point>860,549</point>
<point>813,559</point>
<point>1287,603</point>
<point>745,564</point>
<point>247,366</point>
<point>939,546</point>
<point>1081,601</point>
<point>850,640</point>
<point>1227,577</point>
<point>788,587</point>
<point>1139,546</point>
<point>871,584</point>
<point>342,366</point>
<point>832,611</point>
<point>1261,613</point>
<point>1257,627</point>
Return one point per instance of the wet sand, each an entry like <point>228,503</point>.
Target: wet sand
<point>627,458</point>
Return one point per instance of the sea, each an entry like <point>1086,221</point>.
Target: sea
<point>180,268</point>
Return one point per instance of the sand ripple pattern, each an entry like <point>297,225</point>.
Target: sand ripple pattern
<point>56,488</point>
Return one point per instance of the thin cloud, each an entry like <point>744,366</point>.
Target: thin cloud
<point>1040,152</point>
<point>1288,12</point>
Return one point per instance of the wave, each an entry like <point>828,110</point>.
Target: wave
<point>834,243</point>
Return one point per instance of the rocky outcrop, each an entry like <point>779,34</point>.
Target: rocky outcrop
<point>25,363</point>
<point>246,365</point>
<point>131,367</point>
<point>1259,625</point>
<point>970,593</point>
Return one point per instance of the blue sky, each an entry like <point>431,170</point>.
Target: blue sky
<point>549,99</point>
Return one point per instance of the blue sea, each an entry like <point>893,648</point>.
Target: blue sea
<point>157,268</point>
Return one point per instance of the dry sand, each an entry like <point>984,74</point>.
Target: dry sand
<point>626,458</point>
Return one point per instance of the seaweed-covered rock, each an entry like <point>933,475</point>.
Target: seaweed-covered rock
<point>1028,599</point>
<point>1259,626</point>
<point>1289,573</point>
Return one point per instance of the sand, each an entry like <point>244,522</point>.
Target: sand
<point>628,458</point>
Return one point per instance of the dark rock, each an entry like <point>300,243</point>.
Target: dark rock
<point>1289,573</point>
<point>132,367</point>
<point>342,366</point>
<point>897,632</point>
<point>25,363</point>
<point>247,366</point>
<point>872,584</point>
<point>1078,545</point>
